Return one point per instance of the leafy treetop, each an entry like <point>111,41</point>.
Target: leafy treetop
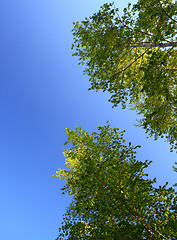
<point>134,58</point>
<point>112,196</point>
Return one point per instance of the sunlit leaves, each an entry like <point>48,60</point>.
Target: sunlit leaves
<point>111,48</point>
<point>112,197</point>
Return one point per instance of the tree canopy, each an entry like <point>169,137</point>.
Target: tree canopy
<point>133,57</point>
<point>112,195</point>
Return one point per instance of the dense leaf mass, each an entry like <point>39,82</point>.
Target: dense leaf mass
<point>133,57</point>
<point>112,196</point>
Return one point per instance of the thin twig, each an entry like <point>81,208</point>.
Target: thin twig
<point>166,12</point>
<point>130,63</point>
<point>144,32</point>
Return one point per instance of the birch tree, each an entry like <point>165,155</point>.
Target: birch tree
<point>112,195</point>
<point>133,57</point>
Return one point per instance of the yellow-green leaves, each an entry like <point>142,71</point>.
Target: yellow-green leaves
<point>112,197</point>
<point>134,58</point>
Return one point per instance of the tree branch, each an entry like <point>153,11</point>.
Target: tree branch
<point>166,12</point>
<point>131,63</point>
<point>144,32</point>
<point>172,69</point>
<point>150,45</point>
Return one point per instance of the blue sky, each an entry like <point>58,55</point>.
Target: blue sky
<point>43,91</point>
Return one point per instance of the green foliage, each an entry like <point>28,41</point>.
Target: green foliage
<point>112,196</point>
<point>175,169</point>
<point>125,57</point>
<point>134,59</point>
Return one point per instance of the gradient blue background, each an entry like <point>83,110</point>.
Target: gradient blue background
<point>43,91</point>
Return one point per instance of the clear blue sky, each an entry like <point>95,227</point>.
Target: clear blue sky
<point>43,91</point>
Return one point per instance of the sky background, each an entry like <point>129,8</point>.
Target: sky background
<point>42,92</point>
